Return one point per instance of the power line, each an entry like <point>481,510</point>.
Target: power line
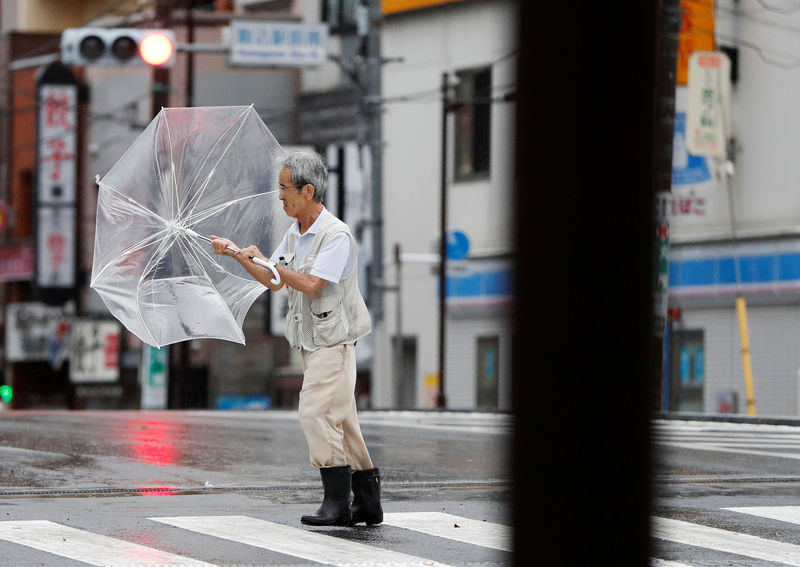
<point>770,56</point>
<point>782,11</point>
<point>763,53</point>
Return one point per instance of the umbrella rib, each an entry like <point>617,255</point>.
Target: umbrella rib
<point>162,116</point>
<point>193,202</point>
<point>157,257</point>
<point>222,297</point>
<point>150,240</point>
<point>211,259</point>
<point>173,196</point>
<point>133,202</point>
<point>195,218</point>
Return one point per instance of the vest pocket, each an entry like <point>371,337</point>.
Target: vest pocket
<point>330,327</point>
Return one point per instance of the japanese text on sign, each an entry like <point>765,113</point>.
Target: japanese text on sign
<point>708,104</point>
<point>56,240</point>
<point>57,144</point>
<point>278,43</point>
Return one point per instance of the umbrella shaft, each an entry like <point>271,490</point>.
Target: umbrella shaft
<point>207,239</point>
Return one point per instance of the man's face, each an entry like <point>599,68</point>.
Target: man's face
<point>293,203</point>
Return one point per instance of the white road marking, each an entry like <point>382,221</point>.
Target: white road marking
<point>724,449</point>
<point>302,543</point>
<point>466,530</point>
<point>726,541</point>
<point>88,547</point>
<point>789,514</point>
<point>655,562</point>
<point>737,438</point>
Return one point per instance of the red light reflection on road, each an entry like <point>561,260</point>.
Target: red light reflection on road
<point>155,442</point>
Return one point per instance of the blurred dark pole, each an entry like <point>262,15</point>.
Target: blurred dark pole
<point>582,321</point>
<point>371,81</point>
<point>189,5</point>
<point>669,25</point>
<point>160,98</point>
<point>441,401</point>
<point>160,88</point>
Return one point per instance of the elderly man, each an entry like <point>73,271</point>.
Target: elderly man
<point>317,261</point>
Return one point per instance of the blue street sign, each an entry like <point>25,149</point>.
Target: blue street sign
<point>457,245</point>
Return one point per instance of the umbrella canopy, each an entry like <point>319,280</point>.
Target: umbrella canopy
<point>193,172</point>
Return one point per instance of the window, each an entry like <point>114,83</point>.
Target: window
<point>487,382</point>
<point>686,370</point>
<point>340,15</point>
<point>472,123</point>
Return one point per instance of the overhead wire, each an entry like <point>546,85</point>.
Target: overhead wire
<point>770,56</point>
<point>783,11</point>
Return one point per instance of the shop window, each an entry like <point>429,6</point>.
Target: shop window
<point>473,111</point>
<point>487,382</point>
<point>686,370</point>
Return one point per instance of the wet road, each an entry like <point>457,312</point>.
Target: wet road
<point>135,477</point>
<point>726,493</point>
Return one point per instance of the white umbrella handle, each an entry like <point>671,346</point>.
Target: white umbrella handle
<point>270,266</point>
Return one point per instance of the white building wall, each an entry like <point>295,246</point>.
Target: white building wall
<point>462,359</point>
<point>774,333</point>
<point>433,41</point>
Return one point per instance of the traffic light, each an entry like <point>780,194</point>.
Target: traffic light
<point>115,47</point>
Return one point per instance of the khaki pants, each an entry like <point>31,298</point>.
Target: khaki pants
<point>327,408</point>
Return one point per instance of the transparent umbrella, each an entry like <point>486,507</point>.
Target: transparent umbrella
<point>192,173</point>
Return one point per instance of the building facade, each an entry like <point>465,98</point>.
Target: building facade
<point>734,232</point>
<point>444,134</point>
<point>471,46</point>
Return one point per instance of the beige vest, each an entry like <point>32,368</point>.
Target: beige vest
<point>335,315</point>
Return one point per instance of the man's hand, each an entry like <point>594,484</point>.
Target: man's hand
<point>252,251</point>
<point>222,246</point>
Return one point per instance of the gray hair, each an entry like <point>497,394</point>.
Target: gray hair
<point>308,167</point>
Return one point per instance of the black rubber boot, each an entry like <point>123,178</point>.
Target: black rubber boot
<point>367,497</point>
<point>335,509</point>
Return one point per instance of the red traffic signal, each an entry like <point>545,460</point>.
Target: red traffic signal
<point>118,47</point>
<point>157,48</point>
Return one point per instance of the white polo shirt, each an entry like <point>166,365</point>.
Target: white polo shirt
<point>335,259</point>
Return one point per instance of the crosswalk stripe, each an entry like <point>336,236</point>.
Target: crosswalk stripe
<point>88,547</point>
<point>726,541</point>
<point>789,514</point>
<point>466,530</point>
<point>296,542</point>
<point>664,563</point>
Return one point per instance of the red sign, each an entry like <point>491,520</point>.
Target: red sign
<point>16,263</point>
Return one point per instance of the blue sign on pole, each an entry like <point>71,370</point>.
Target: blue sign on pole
<point>457,245</point>
<point>687,169</point>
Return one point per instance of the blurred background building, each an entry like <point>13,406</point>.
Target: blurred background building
<point>401,77</point>
<point>737,234</point>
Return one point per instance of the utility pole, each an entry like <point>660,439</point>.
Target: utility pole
<point>371,81</point>
<point>441,401</point>
<point>189,5</point>
<point>667,55</point>
<point>160,89</point>
<point>160,98</point>
<point>398,341</point>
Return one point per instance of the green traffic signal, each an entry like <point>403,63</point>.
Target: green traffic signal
<point>6,393</point>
